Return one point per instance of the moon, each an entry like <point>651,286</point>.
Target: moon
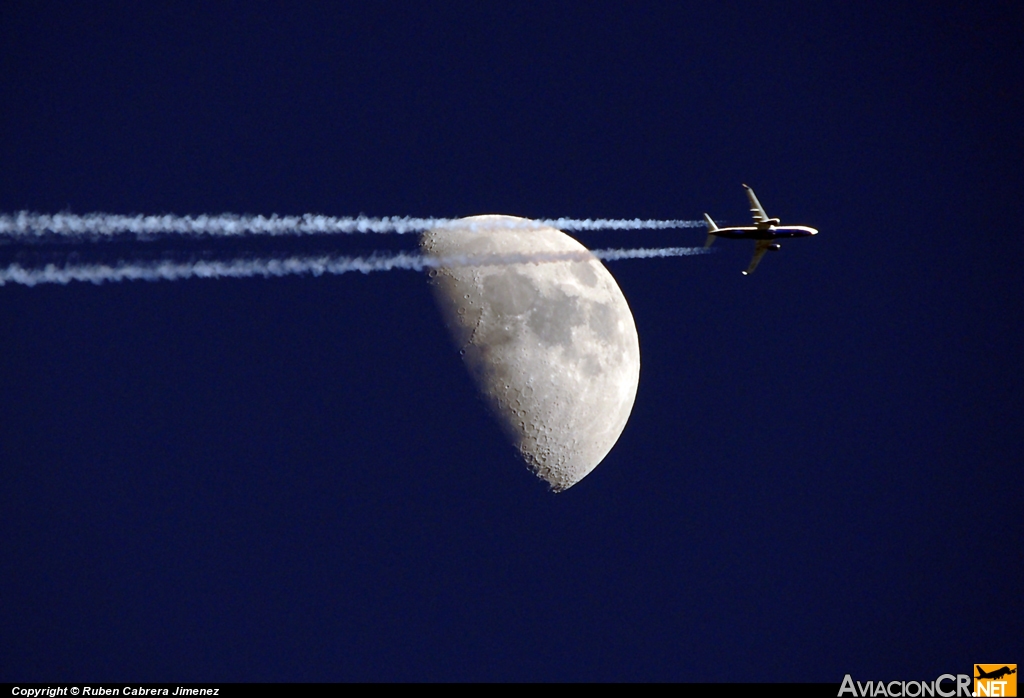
<point>551,345</point>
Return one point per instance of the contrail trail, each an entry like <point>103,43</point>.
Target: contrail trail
<point>25,225</point>
<point>312,265</point>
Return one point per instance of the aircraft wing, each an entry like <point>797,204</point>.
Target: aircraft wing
<point>755,207</point>
<point>759,250</point>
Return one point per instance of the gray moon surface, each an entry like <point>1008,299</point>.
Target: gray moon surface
<point>551,345</point>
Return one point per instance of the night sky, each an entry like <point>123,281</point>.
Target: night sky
<point>295,480</point>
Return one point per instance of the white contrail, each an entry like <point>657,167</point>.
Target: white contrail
<point>312,265</point>
<point>26,225</point>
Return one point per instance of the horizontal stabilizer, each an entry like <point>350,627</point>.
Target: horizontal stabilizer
<point>711,230</point>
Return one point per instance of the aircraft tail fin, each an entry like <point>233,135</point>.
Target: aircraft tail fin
<point>711,231</point>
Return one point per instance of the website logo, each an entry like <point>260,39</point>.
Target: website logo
<point>995,680</point>
<point>946,686</point>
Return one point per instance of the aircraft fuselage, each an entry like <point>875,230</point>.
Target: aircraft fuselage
<point>753,232</point>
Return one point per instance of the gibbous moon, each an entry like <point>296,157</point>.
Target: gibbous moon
<point>552,346</point>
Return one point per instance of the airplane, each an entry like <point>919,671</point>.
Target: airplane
<point>764,232</point>
<point>995,673</point>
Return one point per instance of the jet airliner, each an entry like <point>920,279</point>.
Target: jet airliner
<point>765,232</point>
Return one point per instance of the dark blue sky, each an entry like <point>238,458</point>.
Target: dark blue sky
<point>293,479</point>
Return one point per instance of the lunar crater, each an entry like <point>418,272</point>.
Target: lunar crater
<point>552,346</point>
